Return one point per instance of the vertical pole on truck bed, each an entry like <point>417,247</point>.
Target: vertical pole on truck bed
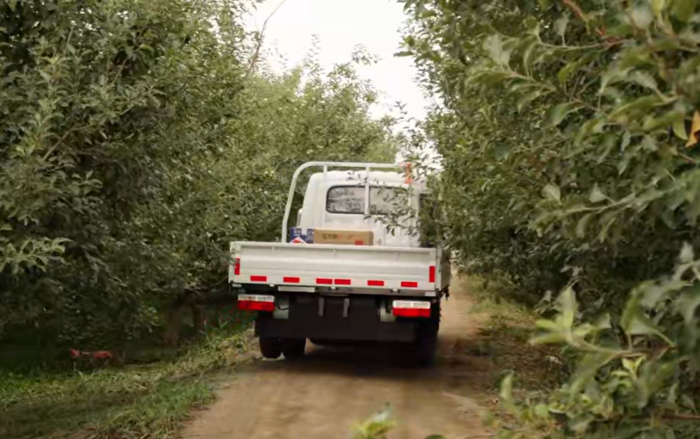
<point>293,186</point>
<point>367,192</point>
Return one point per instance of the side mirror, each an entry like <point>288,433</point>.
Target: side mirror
<point>299,218</point>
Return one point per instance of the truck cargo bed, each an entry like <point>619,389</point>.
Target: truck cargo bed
<point>346,268</point>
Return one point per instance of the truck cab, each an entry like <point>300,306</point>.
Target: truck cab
<point>361,200</point>
<point>353,269</point>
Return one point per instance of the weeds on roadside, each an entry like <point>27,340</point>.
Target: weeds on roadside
<point>379,425</point>
<point>124,402</point>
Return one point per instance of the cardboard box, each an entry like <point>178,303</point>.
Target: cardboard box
<point>343,237</point>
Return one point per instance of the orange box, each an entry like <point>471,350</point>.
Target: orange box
<point>343,237</point>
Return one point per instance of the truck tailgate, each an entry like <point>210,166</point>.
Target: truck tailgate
<point>343,266</point>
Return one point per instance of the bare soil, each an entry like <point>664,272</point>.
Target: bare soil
<point>332,389</point>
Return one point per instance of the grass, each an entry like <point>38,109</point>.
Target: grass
<point>121,402</point>
<point>505,338</point>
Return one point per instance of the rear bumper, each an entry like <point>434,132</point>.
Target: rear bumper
<point>332,319</point>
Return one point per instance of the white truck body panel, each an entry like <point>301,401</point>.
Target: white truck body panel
<point>343,268</point>
<point>395,264</point>
<point>315,213</point>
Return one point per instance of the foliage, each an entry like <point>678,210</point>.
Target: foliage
<point>634,378</point>
<point>102,102</point>
<point>133,401</point>
<point>377,426</point>
<point>570,163</point>
<point>135,143</point>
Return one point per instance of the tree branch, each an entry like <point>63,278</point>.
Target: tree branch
<point>256,52</point>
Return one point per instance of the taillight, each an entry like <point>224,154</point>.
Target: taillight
<point>237,266</point>
<point>431,275</point>
<point>410,308</point>
<point>252,302</point>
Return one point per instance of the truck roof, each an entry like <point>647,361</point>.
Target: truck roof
<point>375,177</point>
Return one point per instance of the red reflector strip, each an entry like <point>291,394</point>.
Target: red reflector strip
<point>291,280</point>
<point>406,284</point>
<point>342,282</point>
<point>237,266</point>
<point>324,281</point>
<point>252,302</point>
<point>411,312</point>
<point>406,308</point>
<point>256,306</point>
<point>375,283</point>
<point>431,276</point>
<point>258,278</point>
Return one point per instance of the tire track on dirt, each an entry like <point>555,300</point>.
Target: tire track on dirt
<point>332,389</point>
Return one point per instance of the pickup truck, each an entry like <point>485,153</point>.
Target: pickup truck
<point>385,286</point>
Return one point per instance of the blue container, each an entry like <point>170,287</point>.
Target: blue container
<point>295,232</point>
<point>309,237</point>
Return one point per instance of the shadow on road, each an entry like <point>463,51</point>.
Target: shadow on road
<point>381,361</point>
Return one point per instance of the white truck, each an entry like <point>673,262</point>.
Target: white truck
<point>386,290</point>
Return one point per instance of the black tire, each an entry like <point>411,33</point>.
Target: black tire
<point>270,347</point>
<point>293,348</point>
<point>427,346</point>
<point>427,339</point>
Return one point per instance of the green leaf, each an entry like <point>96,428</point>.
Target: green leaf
<point>644,79</point>
<point>560,25</point>
<point>679,129</point>
<point>683,10</point>
<point>552,192</point>
<point>607,221</point>
<point>533,26</point>
<point>603,322</point>
<point>688,302</point>
<point>640,104</point>
<point>587,369</point>
<point>666,120</point>
<point>542,410</point>
<point>597,195</point>
<point>549,338</point>
<point>632,365</point>
<point>642,16</point>
<point>568,307</point>
<point>566,71</point>
<point>640,324</point>
<point>687,254</point>
<point>505,394</point>
<point>658,7</point>
<point>525,100</point>
<point>557,113</point>
<point>530,52</point>
<point>582,225</point>
<point>493,44</point>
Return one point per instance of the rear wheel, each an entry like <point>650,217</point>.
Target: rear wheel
<point>293,348</point>
<point>427,345</point>
<point>270,347</point>
<point>427,338</point>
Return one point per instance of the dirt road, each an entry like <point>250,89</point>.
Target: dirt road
<point>332,389</point>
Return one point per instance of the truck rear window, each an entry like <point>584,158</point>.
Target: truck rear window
<point>346,199</point>
<point>351,200</point>
<point>382,200</point>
